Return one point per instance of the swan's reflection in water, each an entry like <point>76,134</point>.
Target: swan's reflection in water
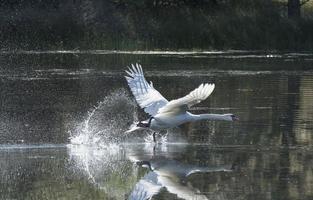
<point>172,175</point>
<point>140,171</point>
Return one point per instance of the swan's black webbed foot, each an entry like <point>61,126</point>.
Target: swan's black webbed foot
<point>154,139</point>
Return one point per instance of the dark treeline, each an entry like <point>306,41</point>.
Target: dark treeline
<point>153,24</point>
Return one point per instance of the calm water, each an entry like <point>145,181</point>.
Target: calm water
<point>63,115</point>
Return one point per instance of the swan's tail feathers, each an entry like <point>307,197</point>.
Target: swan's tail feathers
<point>133,128</point>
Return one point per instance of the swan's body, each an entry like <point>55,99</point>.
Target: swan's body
<point>169,120</point>
<point>167,114</point>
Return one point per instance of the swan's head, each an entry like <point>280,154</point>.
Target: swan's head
<point>231,117</point>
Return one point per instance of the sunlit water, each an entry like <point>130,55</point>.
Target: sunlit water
<point>64,114</point>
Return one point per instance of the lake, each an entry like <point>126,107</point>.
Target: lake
<point>64,114</point>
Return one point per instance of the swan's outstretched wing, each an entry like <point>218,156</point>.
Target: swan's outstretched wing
<point>194,97</point>
<point>146,188</point>
<point>146,96</point>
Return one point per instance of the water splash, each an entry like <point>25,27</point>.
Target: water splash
<point>107,121</point>
<point>161,138</point>
<point>107,168</point>
<point>113,168</point>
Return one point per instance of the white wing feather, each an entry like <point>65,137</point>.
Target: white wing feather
<point>146,96</point>
<point>146,188</point>
<point>194,97</point>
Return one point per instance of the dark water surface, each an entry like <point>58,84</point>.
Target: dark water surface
<point>63,114</point>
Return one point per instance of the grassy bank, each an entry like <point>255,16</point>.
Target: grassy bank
<point>162,24</point>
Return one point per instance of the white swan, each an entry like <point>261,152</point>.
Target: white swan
<point>167,114</point>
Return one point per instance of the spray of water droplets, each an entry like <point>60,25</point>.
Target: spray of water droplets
<point>106,168</point>
<point>107,121</point>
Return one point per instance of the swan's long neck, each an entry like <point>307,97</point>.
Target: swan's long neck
<point>211,117</point>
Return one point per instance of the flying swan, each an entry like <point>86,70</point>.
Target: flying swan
<point>167,114</point>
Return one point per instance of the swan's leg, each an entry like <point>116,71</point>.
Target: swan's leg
<point>154,139</point>
<point>154,147</point>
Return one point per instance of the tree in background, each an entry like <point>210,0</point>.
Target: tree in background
<point>294,8</point>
